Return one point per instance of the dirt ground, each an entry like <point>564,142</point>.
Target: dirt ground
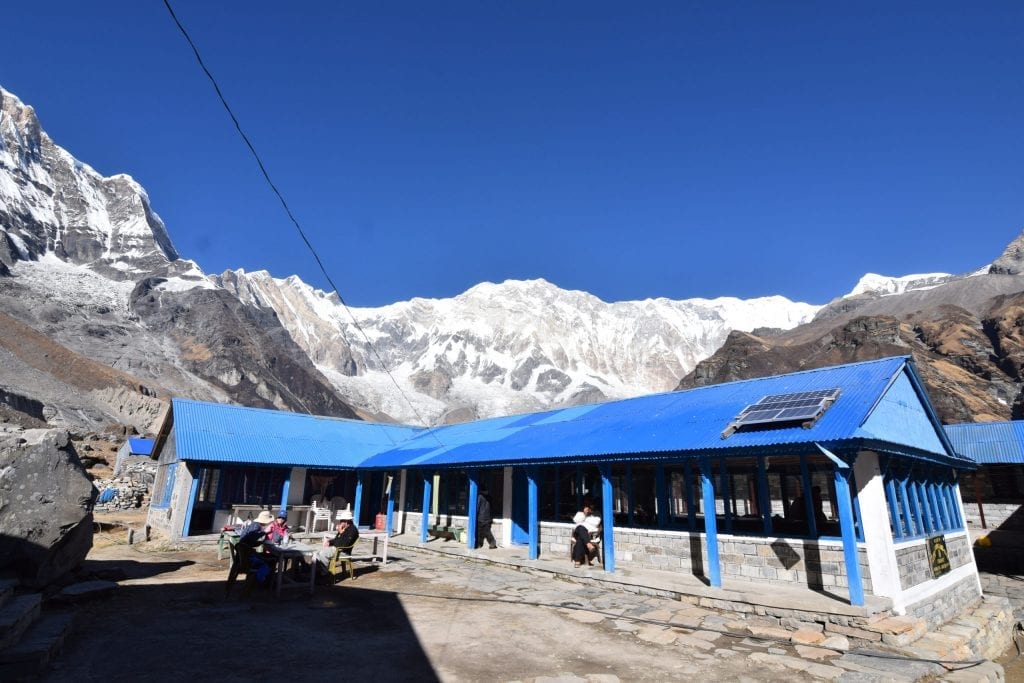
<point>169,620</point>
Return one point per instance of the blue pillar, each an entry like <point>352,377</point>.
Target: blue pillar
<point>661,495</point>
<point>389,484</point>
<point>710,523</point>
<point>193,495</point>
<point>474,490</point>
<point>358,504</point>
<point>910,499</point>
<point>607,518</point>
<point>812,514</point>
<point>764,501</point>
<point>894,515</point>
<point>284,492</point>
<point>849,533</point>
<point>531,501</point>
<point>428,485</point>
<point>926,513</point>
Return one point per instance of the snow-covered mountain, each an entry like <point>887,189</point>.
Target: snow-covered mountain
<point>510,347</point>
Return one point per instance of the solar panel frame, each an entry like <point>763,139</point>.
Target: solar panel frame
<point>782,408</point>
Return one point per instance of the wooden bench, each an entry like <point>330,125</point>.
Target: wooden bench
<point>453,533</point>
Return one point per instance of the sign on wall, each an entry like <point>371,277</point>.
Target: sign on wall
<point>938,556</point>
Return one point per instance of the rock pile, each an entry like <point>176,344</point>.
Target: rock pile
<point>128,491</point>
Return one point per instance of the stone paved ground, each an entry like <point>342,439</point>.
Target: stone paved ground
<point>431,617</point>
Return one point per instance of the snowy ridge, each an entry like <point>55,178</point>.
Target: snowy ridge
<point>509,347</point>
<point>885,285</point>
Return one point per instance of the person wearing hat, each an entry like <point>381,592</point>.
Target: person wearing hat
<point>255,531</point>
<point>345,538</point>
<point>278,528</point>
<point>582,548</point>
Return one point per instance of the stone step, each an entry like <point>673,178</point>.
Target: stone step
<point>36,649</point>
<point>16,616</point>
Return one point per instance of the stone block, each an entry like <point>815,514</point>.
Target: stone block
<point>836,642</point>
<point>853,632</point>
<point>815,653</point>
<point>770,632</point>
<point>807,637</point>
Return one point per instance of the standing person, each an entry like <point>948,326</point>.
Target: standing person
<point>484,519</point>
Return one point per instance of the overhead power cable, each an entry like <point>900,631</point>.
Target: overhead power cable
<point>291,216</point>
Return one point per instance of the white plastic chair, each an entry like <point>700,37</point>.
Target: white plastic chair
<point>320,514</point>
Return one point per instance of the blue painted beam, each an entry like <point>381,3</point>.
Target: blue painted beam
<point>533,516</point>
<point>358,504</point>
<point>389,489</point>
<point>710,523</point>
<point>428,486</point>
<point>846,525</point>
<point>608,518</point>
<point>474,490</point>
<point>284,491</point>
<point>193,495</point>
<point>894,515</point>
<point>910,498</point>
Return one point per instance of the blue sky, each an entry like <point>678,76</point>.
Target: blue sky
<point>632,150</point>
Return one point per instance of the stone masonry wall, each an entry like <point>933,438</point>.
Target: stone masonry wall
<point>939,608</point>
<point>818,564</point>
<point>913,563</point>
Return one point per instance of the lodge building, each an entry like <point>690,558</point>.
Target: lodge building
<point>839,479</point>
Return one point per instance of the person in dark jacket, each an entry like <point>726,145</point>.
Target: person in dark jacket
<point>484,519</point>
<point>345,538</point>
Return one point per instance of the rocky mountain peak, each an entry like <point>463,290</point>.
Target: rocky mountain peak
<point>1011,262</point>
<point>52,203</point>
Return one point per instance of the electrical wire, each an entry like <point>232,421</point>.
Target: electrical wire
<point>292,218</point>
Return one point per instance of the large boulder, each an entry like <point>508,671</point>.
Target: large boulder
<point>46,501</point>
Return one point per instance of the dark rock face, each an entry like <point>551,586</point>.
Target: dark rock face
<point>242,349</point>
<point>971,363</point>
<point>46,502</point>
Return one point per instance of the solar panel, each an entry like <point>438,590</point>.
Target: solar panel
<point>802,406</point>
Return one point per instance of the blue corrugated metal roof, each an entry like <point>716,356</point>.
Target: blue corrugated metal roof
<point>139,446</point>
<point>682,421</point>
<point>648,426</point>
<point>216,432</point>
<point>989,443</point>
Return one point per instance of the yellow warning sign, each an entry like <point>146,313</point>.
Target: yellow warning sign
<point>938,556</point>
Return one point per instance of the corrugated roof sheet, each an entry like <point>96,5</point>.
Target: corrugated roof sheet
<point>648,426</point>
<point>139,446</point>
<point>989,443</point>
<point>681,421</point>
<point>215,432</point>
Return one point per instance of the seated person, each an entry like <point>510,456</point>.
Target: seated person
<point>593,524</point>
<point>583,549</point>
<point>254,532</point>
<point>345,538</point>
<point>278,528</point>
<point>251,536</point>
